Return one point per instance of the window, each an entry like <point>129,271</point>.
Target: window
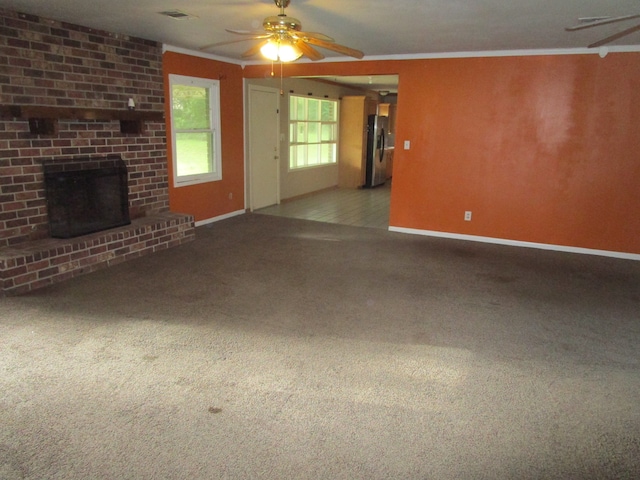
<point>313,131</point>
<point>195,122</point>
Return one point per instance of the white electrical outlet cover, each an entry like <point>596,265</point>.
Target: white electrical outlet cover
<point>407,144</point>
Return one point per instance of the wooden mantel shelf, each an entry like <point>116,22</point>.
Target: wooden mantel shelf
<point>43,120</point>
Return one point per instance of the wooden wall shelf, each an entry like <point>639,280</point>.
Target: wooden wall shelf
<point>43,120</point>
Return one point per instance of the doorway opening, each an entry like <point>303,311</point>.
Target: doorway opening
<point>319,193</point>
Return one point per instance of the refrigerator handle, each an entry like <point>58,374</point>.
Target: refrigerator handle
<point>382,142</point>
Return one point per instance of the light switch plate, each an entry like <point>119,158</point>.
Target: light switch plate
<point>407,144</point>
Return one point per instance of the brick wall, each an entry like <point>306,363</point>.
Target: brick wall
<point>47,62</point>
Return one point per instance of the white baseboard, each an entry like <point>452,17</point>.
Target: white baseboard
<point>516,243</point>
<point>219,217</point>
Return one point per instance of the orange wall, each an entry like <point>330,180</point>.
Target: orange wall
<point>541,149</point>
<point>208,200</point>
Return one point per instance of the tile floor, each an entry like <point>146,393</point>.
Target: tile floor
<point>358,207</point>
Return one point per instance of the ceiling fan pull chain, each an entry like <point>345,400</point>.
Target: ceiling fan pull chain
<point>281,81</point>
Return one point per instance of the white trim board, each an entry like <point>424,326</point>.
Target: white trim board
<point>198,53</point>
<point>517,243</point>
<point>219,217</point>
<point>602,51</point>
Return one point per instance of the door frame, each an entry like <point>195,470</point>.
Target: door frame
<point>251,88</point>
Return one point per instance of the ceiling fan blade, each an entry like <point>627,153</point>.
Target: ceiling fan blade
<point>615,36</point>
<point>351,52</point>
<point>219,44</point>
<point>309,51</point>
<point>316,35</point>
<point>605,21</point>
<point>254,50</point>
<point>245,32</point>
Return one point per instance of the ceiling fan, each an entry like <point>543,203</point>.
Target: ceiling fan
<point>283,39</point>
<point>589,22</point>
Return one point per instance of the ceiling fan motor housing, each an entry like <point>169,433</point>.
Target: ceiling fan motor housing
<point>281,24</point>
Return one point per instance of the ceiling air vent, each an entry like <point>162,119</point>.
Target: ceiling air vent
<point>177,14</point>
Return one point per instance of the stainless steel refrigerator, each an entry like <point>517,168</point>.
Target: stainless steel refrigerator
<point>376,166</point>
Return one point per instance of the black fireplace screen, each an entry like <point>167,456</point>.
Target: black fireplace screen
<point>86,195</point>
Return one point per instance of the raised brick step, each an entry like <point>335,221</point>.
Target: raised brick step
<point>39,263</point>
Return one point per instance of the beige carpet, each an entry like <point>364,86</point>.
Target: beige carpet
<point>274,348</point>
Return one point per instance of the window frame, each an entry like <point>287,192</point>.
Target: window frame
<point>213,87</point>
<point>335,141</point>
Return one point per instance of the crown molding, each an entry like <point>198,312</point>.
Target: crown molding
<point>602,52</point>
<point>198,53</point>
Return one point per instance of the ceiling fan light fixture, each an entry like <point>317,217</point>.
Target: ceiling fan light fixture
<point>270,50</point>
<point>283,40</point>
<point>288,52</point>
<point>282,49</point>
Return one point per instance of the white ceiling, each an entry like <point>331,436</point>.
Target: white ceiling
<point>381,29</point>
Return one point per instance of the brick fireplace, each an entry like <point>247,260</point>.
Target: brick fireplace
<point>64,94</point>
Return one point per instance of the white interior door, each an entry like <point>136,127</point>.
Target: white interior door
<point>264,151</point>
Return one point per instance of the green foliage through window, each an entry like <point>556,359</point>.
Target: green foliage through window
<point>190,107</point>
<point>195,120</point>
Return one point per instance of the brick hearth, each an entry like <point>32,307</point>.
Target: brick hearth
<point>36,264</point>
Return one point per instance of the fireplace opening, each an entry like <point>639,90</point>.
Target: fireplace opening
<point>86,195</point>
